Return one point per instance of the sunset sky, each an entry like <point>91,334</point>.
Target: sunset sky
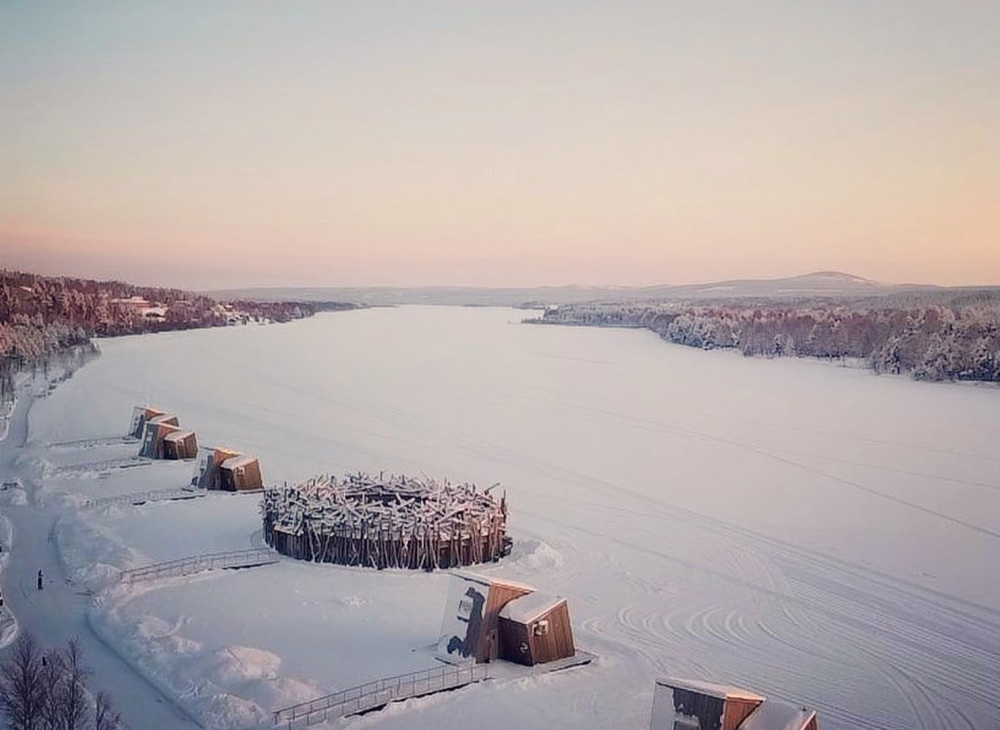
<point>217,144</point>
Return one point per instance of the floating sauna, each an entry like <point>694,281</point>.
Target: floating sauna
<point>386,521</point>
<point>535,629</point>
<point>240,473</point>
<point>220,468</point>
<point>157,429</point>
<point>140,415</point>
<point>684,703</point>
<point>180,445</point>
<point>488,618</point>
<point>206,470</point>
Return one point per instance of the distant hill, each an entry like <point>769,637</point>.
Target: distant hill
<point>819,284</point>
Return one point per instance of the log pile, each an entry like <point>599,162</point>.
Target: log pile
<point>386,521</point>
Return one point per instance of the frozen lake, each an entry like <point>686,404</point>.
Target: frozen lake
<point>814,532</point>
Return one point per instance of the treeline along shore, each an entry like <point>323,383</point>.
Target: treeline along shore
<point>43,318</point>
<point>943,335</point>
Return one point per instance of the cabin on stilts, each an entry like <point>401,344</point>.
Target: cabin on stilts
<point>684,703</point>
<point>140,415</point>
<point>386,521</point>
<point>156,431</point>
<point>180,445</point>
<point>489,618</point>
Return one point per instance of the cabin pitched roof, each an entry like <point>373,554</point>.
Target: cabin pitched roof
<point>778,715</point>
<point>162,418</point>
<point>178,435</point>
<point>234,462</point>
<point>710,689</point>
<point>492,580</point>
<point>529,608</point>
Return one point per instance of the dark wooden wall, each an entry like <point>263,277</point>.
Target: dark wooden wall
<point>707,709</point>
<point>514,637</point>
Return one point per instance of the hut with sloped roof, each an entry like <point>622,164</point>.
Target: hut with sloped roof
<point>471,625</point>
<point>240,473</point>
<point>535,628</point>
<point>140,415</point>
<point>206,470</point>
<point>686,703</point>
<point>180,445</point>
<point>156,431</point>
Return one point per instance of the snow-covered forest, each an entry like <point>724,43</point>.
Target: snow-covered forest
<point>931,337</point>
<point>42,317</point>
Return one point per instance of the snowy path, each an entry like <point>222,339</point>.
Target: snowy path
<point>59,612</point>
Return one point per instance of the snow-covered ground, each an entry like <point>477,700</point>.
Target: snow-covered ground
<point>817,533</point>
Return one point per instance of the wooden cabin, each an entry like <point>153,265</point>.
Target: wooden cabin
<point>240,473</point>
<point>683,704</point>
<point>535,629</point>
<point>140,415</point>
<point>206,470</point>
<point>180,445</point>
<point>470,629</point>
<point>156,431</point>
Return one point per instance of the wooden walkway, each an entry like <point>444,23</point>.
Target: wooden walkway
<point>154,495</point>
<point>379,693</point>
<point>99,466</point>
<point>199,564</point>
<point>92,442</point>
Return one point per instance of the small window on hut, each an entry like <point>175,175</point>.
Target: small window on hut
<point>542,628</point>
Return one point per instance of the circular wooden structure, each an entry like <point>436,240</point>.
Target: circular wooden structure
<point>386,522</point>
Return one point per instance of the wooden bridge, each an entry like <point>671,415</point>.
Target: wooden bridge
<point>199,564</point>
<point>378,693</point>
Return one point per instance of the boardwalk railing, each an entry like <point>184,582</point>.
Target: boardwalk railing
<point>200,563</point>
<point>154,495</point>
<point>379,692</point>
<point>96,441</point>
<point>98,466</point>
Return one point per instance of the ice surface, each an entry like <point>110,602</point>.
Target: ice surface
<point>809,532</point>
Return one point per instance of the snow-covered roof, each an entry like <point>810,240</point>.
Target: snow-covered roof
<point>721,691</point>
<point>162,418</point>
<point>238,461</point>
<point>178,435</point>
<point>531,607</point>
<point>492,580</point>
<point>777,715</point>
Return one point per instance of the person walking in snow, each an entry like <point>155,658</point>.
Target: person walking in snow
<point>39,579</point>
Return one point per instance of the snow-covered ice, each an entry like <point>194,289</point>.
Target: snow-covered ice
<point>812,532</point>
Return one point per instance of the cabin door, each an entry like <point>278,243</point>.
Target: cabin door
<point>492,649</point>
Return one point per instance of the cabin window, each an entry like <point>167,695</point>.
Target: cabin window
<point>465,607</point>
<point>542,628</point>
